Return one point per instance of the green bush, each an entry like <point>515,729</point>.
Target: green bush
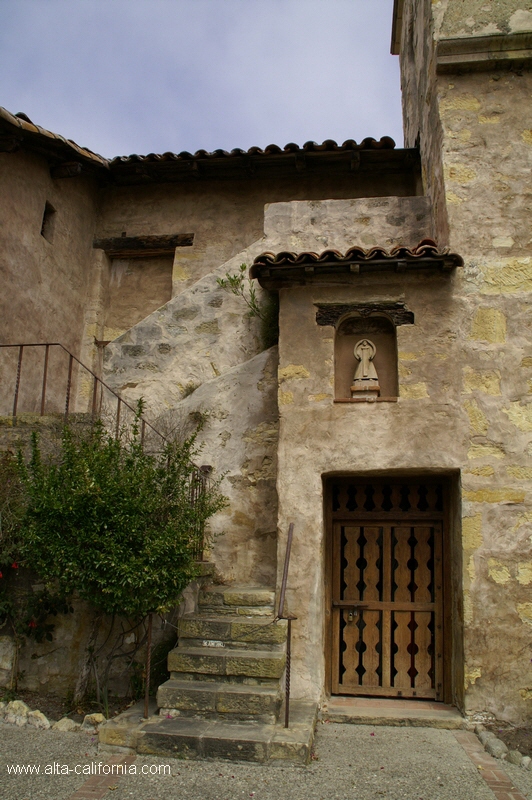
<point>114,523</point>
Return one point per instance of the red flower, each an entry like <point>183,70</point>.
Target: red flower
<point>14,565</point>
<point>32,624</point>
<point>1,576</point>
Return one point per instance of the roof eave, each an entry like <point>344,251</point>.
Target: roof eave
<point>254,166</point>
<point>282,277</point>
<point>283,269</point>
<point>18,132</point>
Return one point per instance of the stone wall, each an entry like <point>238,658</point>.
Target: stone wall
<point>426,431</point>
<point>202,353</point>
<point>419,88</point>
<point>487,159</point>
<point>239,441</point>
<point>54,666</point>
<point>482,117</point>
<point>454,18</point>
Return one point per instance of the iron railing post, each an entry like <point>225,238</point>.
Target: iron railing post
<point>69,386</point>
<point>44,378</point>
<point>17,383</point>
<point>94,396</point>
<point>148,670</point>
<point>289,617</point>
<point>117,429</point>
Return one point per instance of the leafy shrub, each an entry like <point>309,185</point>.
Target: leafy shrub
<point>112,522</point>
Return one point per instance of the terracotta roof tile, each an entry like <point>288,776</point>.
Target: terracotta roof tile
<point>18,130</point>
<point>274,269</point>
<point>385,143</point>
<point>427,248</point>
<point>25,125</point>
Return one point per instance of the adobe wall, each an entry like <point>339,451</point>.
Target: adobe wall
<point>45,284</point>
<point>484,120</point>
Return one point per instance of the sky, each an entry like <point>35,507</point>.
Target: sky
<point>144,76</point>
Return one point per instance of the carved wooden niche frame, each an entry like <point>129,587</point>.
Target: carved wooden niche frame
<point>353,323</point>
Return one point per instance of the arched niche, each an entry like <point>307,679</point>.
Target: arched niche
<point>381,331</point>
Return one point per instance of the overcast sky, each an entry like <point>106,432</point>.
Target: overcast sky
<point>141,76</point>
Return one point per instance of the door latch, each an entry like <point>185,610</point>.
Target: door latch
<point>351,608</point>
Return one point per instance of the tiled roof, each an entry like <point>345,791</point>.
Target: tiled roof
<point>425,249</point>
<point>329,146</point>
<point>286,268</point>
<point>23,125</point>
<point>66,158</point>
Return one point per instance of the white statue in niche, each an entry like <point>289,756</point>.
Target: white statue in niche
<point>366,380</point>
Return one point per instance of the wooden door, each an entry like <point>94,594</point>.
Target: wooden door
<point>387,625</point>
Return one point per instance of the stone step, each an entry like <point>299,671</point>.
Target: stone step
<point>247,601</point>
<point>391,712</point>
<point>206,678</point>
<point>226,662</point>
<point>233,701</point>
<point>196,738</point>
<point>242,633</point>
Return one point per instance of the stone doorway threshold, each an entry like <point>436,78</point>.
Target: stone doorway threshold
<point>391,711</point>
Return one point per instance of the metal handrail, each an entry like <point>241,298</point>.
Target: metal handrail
<point>97,382</point>
<point>289,618</point>
<point>201,474</point>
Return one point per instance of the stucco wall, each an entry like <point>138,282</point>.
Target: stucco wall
<point>483,120</point>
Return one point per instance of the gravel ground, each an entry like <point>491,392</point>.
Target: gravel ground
<point>522,778</point>
<point>352,762</point>
<point>26,746</point>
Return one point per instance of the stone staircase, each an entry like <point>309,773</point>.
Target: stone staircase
<point>229,660</point>
<point>224,696</point>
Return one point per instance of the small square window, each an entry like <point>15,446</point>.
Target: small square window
<point>48,222</point>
